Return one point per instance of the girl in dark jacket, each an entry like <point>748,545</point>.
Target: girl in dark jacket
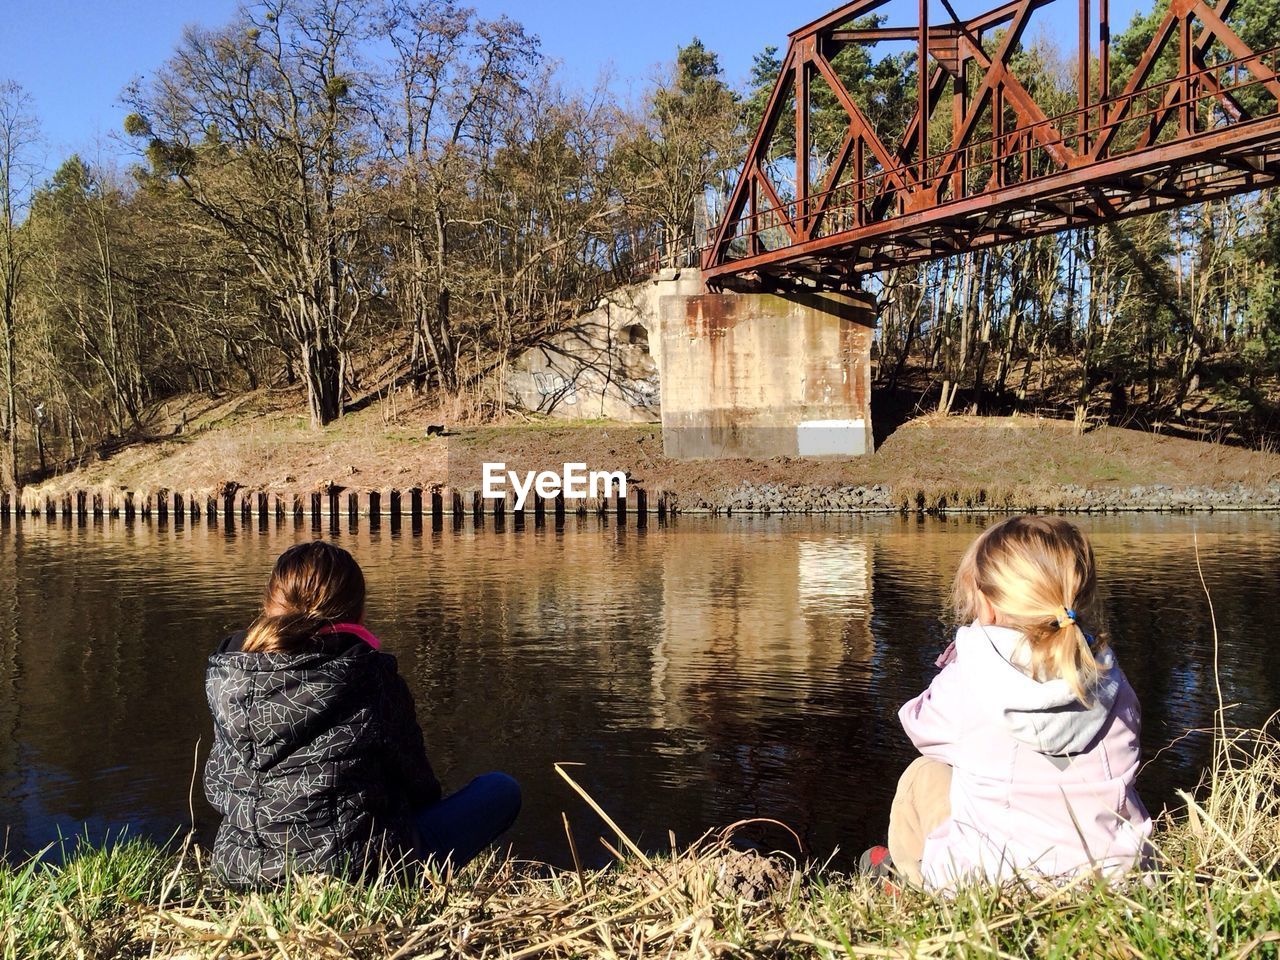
<point>318,764</point>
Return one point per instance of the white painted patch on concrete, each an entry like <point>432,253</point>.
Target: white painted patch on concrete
<point>831,438</point>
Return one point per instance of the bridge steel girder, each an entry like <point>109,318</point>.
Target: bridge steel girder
<point>1010,169</point>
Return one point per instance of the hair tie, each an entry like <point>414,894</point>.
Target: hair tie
<point>1066,617</point>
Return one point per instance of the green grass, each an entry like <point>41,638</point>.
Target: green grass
<point>1214,893</point>
<point>538,423</point>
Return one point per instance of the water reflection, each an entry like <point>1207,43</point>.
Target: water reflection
<point>701,673</point>
<point>760,624</point>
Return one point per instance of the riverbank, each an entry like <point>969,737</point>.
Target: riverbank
<point>256,444</point>
<point>1216,893</point>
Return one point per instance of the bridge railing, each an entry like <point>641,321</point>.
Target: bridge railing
<point>1198,102</point>
<point>684,251</point>
<point>647,255</point>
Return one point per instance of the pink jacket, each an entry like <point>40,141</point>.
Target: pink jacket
<point>1039,782</point>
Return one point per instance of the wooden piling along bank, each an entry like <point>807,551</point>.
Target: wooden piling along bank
<point>330,507</point>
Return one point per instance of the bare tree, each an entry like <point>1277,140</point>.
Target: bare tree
<point>18,135</point>
<point>455,82</point>
<point>261,124</point>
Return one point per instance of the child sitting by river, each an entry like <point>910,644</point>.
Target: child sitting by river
<point>318,763</point>
<point>1029,736</point>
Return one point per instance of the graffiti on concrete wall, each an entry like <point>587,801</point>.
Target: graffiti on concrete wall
<point>600,367</point>
<point>555,388</point>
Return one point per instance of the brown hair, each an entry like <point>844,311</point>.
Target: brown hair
<point>311,586</point>
<point>1035,571</point>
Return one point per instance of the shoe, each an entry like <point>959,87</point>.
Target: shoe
<point>876,862</point>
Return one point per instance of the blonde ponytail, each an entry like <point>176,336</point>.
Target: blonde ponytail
<point>1039,574</point>
<point>1065,652</point>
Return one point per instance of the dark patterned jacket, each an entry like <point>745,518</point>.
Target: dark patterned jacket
<point>317,761</point>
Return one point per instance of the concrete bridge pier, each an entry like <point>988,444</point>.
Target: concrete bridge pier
<point>763,375</point>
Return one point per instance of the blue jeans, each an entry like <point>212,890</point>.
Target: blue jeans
<point>464,823</point>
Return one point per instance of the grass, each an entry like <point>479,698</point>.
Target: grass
<point>1214,892</point>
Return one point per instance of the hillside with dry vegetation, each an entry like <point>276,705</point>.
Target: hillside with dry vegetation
<point>263,442</point>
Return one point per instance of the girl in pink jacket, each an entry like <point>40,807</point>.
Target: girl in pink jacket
<point>1029,735</point>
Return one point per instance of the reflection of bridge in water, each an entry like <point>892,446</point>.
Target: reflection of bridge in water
<point>772,623</point>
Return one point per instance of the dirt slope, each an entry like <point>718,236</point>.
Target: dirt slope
<point>259,443</point>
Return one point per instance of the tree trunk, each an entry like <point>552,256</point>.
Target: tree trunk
<point>323,366</point>
<point>10,467</point>
<point>10,478</point>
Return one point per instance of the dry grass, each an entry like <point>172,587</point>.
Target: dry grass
<point>1235,826</point>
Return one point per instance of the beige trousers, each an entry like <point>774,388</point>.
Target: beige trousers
<point>922,803</point>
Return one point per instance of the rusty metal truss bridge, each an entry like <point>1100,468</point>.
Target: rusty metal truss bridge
<point>822,199</point>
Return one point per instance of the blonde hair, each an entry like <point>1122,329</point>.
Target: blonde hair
<point>1039,574</point>
<point>313,585</point>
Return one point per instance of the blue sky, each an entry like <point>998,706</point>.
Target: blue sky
<point>75,56</point>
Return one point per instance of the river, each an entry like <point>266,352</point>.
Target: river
<point>699,672</point>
